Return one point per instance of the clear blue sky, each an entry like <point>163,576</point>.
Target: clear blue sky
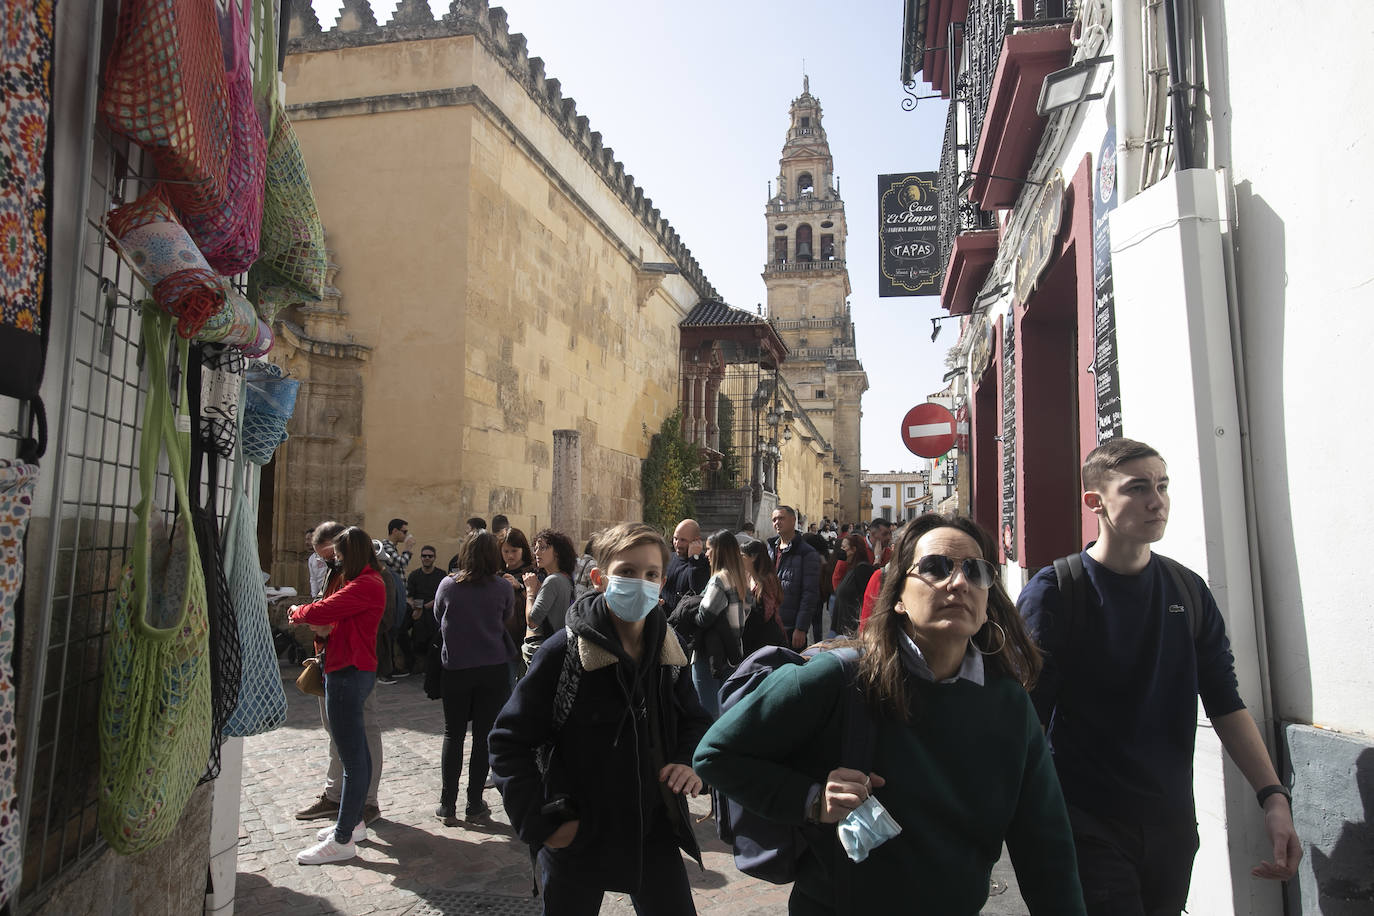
<point>693,99</point>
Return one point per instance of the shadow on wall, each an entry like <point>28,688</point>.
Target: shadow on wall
<point>1262,280</point>
<point>1345,878</point>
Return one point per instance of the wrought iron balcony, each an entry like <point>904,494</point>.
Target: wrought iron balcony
<point>957,214</point>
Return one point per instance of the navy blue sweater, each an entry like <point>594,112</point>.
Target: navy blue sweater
<point>1119,696</point>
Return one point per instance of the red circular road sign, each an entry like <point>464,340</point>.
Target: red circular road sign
<point>929,430</point>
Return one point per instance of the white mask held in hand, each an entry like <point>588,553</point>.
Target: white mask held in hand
<point>866,828</point>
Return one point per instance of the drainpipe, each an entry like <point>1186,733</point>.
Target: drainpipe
<point>1129,98</point>
<point>1179,90</point>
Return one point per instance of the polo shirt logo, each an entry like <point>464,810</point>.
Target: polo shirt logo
<point>1176,609</point>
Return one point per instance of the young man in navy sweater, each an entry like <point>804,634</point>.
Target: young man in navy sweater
<point>1118,696</point>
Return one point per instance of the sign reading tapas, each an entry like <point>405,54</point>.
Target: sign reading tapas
<point>908,235</point>
<point>1037,242</point>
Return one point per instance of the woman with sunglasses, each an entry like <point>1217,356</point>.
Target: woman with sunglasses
<point>960,762</point>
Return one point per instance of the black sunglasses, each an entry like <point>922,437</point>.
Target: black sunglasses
<point>935,568</point>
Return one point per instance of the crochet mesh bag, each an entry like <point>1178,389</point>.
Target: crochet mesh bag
<point>154,724</point>
<point>165,90</point>
<point>267,407</point>
<point>292,252</point>
<point>229,235</point>
<point>261,700</point>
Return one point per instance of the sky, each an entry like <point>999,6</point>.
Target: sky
<point>693,98</point>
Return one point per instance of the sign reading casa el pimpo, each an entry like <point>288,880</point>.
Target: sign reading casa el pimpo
<point>908,235</point>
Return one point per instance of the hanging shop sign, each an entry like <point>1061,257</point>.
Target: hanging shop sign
<point>908,235</point>
<point>1037,242</point>
<point>979,353</point>
<point>1105,373</point>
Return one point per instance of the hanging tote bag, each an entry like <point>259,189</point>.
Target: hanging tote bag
<point>268,403</point>
<point>165,90</point>
<point>228,235</point>
<point>292,261</point>
<point>154,726</point>
<point>17,483</point>
<point>262,701</point>
<point>148,235</point>
<point>226,661</point>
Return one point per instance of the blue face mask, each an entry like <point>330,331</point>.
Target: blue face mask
<point>631,599</point>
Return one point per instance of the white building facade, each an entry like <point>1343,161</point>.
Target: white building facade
<point>1190,270</point>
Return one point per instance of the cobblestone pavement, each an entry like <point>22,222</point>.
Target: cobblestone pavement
<point>411,863</point>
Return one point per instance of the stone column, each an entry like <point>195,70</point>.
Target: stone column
<point>566,503</point>
<point>698,436</point>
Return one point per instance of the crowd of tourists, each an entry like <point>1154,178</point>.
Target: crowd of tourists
<point>871,711</point>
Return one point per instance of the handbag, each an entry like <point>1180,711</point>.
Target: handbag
<point>154,722</point>
<point>262,701</point>
<point>17,484</point>
<point>292,262</point>
<point>26,183</point>
<point>148,235</point>
<point>165,90</point>
<point>311,679</point>
<point>268,404</point>
<point>229,235</point>
<point>226,659</point>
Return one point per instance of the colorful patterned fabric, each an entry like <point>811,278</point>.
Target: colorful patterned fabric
<point>26,46</point>
<point>17,482</point>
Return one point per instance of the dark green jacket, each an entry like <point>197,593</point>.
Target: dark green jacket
<point>972,770</point>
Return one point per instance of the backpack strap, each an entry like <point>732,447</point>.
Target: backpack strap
<point>1073,589</point>
<point>1187,584</point>
<point>564,695</point>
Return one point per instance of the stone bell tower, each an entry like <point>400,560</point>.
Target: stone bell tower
<point>808,291</point>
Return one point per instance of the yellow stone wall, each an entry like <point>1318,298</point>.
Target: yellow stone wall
<point>491,269</point>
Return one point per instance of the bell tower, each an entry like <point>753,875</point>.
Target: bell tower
<point>808,292</point>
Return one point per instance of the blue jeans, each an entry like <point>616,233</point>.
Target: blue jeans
<point>708,687</point>
<point>344,693</point>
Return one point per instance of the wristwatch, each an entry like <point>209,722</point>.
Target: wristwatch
<point>1263,794</point>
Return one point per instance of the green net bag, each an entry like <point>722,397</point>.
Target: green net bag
<point>292,246</point>
<point>154,726</point>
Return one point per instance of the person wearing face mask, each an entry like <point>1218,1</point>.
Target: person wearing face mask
<point>326,804</point>
<point>959,761</point>
<point>607,810</point>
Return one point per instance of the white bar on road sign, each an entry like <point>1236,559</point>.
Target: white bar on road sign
<point>929,429</point>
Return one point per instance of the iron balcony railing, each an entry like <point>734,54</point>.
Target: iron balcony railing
<point>988,24</point>
<point>957,213</point>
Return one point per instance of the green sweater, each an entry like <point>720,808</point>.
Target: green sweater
<point>972,770</point>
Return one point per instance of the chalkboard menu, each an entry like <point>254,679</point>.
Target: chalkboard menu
<point>1108,388</point>
<point>1009,437</point>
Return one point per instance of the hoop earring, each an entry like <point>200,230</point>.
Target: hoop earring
<point>1000,646</point>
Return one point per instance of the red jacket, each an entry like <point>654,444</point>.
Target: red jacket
<point>875,584</point>
<point>355,610</point>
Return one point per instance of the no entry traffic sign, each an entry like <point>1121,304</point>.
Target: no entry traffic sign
<point>928,430</point>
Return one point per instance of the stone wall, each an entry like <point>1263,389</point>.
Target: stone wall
<point>494,256</point>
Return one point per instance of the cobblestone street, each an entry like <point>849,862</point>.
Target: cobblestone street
<point>411,863</point>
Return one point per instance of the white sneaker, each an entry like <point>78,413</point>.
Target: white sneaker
<point>359,832</point>
<point>326,851</point>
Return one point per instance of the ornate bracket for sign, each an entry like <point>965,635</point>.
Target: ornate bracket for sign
<point>909,104</point>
